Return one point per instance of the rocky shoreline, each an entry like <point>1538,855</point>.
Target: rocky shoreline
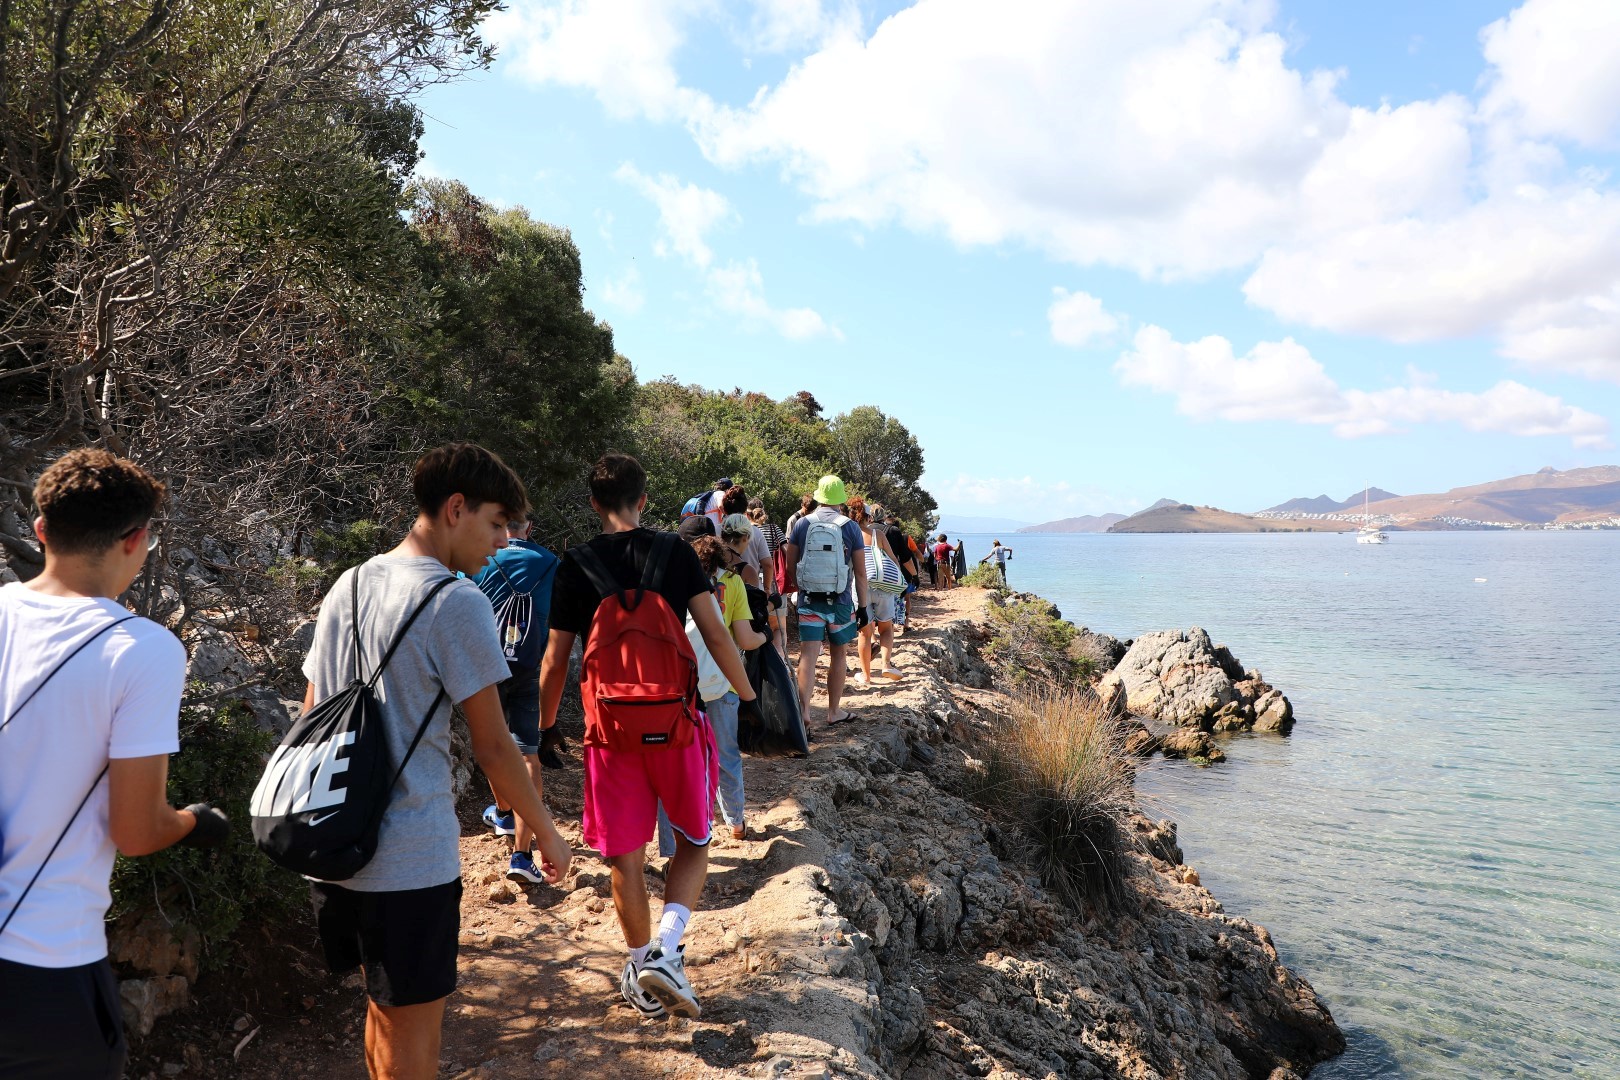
<point>876,925</point>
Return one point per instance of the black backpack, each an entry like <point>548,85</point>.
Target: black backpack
<point>318,807</point>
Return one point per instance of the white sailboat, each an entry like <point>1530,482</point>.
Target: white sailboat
<point>1369,533</point>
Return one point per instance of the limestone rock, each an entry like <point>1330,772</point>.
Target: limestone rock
<point>151,946</point>
<point>1190,743</point>
<point>145,1001</point>
<point>1182,678</point>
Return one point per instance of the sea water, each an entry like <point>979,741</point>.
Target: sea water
<point>1436,848</point>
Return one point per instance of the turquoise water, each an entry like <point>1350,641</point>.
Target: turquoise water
<point>1437,846</point>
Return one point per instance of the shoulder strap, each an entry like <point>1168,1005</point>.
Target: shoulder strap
<point>652,573</point>
<point>93,784</point>
<point>499,569</point>
<point>438,587</point>
<point>77,649</point>
<point>595,572</point>
<point>406,760</point>
<point>354,622</point>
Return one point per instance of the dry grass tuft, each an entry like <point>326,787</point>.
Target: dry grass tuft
<point>1057,766</point>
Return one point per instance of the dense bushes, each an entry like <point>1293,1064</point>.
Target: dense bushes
<point>222,752</point>
<point>1032,642</point>
<point>1056,766</point>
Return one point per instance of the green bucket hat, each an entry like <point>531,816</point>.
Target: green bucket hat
<point>830,492</point>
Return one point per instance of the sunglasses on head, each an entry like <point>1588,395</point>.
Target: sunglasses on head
<point>151,536</point>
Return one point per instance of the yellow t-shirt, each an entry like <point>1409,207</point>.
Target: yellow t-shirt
<point>732,593</point>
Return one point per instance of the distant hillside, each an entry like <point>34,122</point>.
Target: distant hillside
<point>1085,524</point>
<point>1182,518</point>
<point>1161,505</point>
<point>1533,499</point>
<point>1325,504</point>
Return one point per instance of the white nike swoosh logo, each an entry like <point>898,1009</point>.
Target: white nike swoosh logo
<point>314,821</point>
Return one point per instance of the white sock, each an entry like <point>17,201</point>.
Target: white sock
<point>638,955</point>
<point>672,925</point>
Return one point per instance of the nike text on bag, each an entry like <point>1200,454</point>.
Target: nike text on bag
<point>823,568</point>
<point>49,675</point>
<point>639,678</point>
<point>883,573</point>
<point>319,805</point>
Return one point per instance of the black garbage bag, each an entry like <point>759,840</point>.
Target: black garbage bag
<point>771,723</point>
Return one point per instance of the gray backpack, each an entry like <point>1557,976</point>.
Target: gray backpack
<point>823,570</point>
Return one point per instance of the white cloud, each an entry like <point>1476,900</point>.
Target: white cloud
<point>624,292</point>
<point>1282,381</point>
<point>1171,138</point>
<point>1557,69</point>
<point>623,51</point>
<point>1077,319</point>
<point>737,288</point>
<point>687,214</point>
<point>775,26</point>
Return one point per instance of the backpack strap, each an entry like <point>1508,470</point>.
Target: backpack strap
<point>93,784</point>
<point>652,572</point>
<point>77,649</point>
<point>595,572</point>
<point>354,621</point>
<point>510,584</point>
<point>420,731</point>
<point>438,587</point>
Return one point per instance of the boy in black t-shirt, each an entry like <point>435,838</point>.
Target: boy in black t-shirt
<point>623,789</point>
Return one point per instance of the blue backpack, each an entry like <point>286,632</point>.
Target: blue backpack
<point>523,618</point>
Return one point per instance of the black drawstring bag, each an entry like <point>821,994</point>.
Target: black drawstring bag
<point>771,724</point>
<point>318,807</point>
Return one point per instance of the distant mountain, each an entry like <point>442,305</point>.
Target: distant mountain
<point>1324,504</point>
<point>1173,517</point>
<point>1088,523</point>
<point>1162,504</point>
<point>1533,499</point>
<point>951,524</point>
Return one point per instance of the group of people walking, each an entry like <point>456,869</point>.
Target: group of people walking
<point>468,612</point>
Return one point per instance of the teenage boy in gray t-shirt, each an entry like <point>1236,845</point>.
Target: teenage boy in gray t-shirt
<point>400,916</point>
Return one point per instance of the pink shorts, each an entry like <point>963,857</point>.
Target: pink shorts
<point>623,790</point>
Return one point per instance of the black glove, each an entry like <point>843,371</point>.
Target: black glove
<point>212,829</point>
<point>861,618</point>
<point>552,746</point>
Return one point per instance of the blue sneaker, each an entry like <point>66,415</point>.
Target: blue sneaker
<point>503,824</point>
<point>523,868</point>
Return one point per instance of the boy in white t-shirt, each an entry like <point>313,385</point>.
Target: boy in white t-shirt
<point>89,714</point>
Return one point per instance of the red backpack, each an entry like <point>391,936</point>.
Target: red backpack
<point>785,582</point>
<point>639,677</point>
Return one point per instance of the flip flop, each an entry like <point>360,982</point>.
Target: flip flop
<point>845,718</point>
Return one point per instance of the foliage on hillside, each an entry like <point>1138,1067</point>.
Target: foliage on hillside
<point>214,260</point>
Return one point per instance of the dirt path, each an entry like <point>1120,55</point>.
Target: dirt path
<point>539,969</point>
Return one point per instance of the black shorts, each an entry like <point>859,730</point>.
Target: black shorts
<point>520,700</point>
<point>60,1023</point>
<point>405,940</point>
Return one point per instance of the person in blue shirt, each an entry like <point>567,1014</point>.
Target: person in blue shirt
<point>518,581</point>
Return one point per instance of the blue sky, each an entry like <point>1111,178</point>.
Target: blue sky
<point>1093,254</point>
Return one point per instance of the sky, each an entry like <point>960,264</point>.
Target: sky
<point>1093,253</point>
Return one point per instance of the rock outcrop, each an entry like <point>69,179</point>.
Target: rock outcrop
<point>1182,678</point>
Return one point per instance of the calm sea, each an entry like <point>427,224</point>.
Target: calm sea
<point>1437,846</point>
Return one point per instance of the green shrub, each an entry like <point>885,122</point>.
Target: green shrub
<point>985,576</point>
<point>222,753</point>
<point>1056,766</point>
<point>1032,645</point>
<point>350,546</point>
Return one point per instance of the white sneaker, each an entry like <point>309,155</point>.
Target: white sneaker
<point>641,1001</point>
<point>663,975</point>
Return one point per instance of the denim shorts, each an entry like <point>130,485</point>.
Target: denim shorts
<point>520,700</point>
